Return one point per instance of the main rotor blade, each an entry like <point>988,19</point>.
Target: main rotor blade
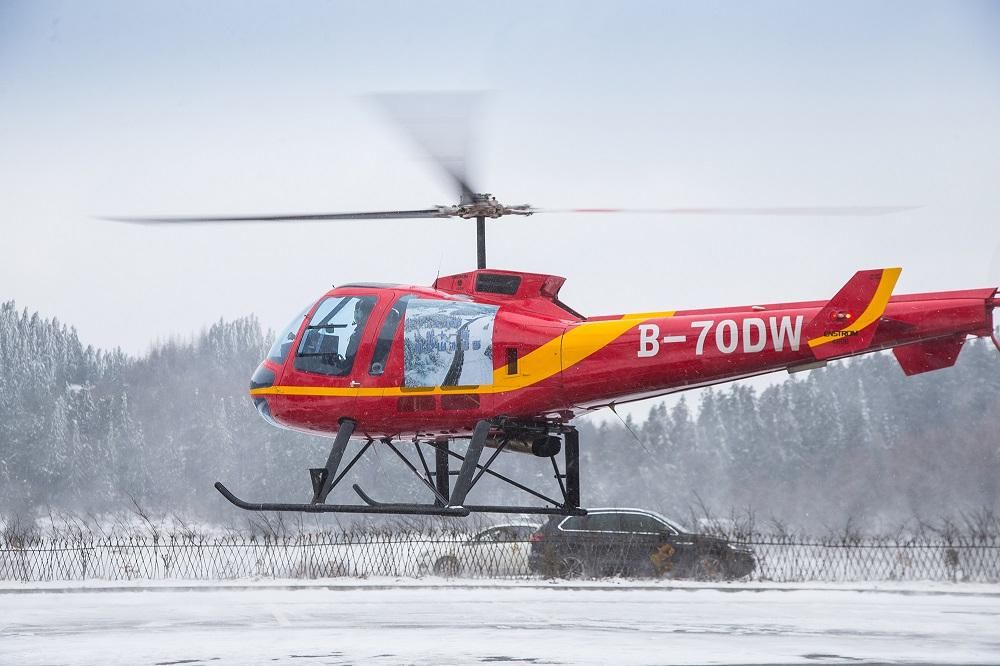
<point>441,124</point>
<point>842,211</point>
<point>306,217</point>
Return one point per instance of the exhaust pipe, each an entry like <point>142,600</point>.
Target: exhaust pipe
<point>543,447</point>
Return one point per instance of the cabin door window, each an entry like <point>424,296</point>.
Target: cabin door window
<point>448,343</point>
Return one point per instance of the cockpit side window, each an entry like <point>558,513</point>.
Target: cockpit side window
<point>330,342</point>
<point>279,350</point>
<point>385,336</point>
<point>448,343</point>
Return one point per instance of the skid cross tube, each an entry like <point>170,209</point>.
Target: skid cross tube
<point>483,468</point>
<point>507,479</point>
<point>443,453</point>
<point>324,477</point>
<point>423,462</point>
<point>351,464</point>
<point>413,469</point>
<point>559,476</point>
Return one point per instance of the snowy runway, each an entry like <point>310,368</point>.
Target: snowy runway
<point>384,622</point>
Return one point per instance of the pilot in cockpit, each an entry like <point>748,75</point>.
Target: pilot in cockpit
<point>361,312</point>
<point>329,344</point>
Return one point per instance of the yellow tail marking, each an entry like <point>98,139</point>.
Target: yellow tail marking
<point>874,310</point>
<point>561,352</point>
<point>583,340</point>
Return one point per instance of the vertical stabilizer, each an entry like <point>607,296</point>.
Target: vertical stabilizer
<point>847,323</point>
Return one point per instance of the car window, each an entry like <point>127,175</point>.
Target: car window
<point>638,522</point>
<point>506,534</point>
<point>503,534</point>
<point>487,535</point>
<point>574,523</point>
<point>605,522</point>
<point>522,532</point>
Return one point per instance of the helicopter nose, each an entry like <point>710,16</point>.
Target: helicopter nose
<point>260,404</point>
<point>263,377</point>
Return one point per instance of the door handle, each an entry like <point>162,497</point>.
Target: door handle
<point>354,384</point>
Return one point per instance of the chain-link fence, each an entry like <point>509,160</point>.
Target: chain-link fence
<point>786,559</point>
<point>403,554</point>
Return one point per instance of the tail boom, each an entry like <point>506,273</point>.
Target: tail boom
<point>926,331</point>
<point>670,352</point>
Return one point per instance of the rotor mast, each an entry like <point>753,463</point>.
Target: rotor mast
<point>469,199</point>
<point>480,241</point>
<point>481,205</point>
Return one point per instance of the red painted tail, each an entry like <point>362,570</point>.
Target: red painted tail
<point>929,355</point>
<point>847,323</point>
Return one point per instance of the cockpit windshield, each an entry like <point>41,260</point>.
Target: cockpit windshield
<point>279,350</point>
<point>331,341</point>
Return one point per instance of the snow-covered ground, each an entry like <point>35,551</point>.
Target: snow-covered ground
<point>437,622</point>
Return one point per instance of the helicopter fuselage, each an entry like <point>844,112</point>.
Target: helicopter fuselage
<point>405,361</point>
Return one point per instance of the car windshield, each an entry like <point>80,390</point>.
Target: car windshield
<point>672,523</point>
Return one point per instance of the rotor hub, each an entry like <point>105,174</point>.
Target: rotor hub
<point>483,205</point>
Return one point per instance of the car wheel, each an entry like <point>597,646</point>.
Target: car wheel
<point>709,568</point>
<point>571,567</point>
<point>447,566</point>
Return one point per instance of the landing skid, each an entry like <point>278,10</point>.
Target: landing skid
<point>447,501</point>
<point>479,508</point>
<point>399,509</point>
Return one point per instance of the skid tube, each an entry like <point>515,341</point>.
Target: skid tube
<point>477,508</point>
<point>398,509</point>
<point>451,504</point>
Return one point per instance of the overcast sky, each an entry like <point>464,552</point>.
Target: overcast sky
<point>118,108</point>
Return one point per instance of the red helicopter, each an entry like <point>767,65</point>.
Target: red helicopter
<point>494,357</point>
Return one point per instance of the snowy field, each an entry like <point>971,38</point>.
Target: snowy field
<point>386,621</point>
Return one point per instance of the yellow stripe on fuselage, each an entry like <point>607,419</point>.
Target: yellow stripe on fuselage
<point>871,314</point>
<point>561,352</point>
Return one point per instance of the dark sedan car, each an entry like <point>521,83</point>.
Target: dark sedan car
<point>633,542</point>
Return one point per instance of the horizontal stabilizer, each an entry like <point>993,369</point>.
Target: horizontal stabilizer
<point>929,355</point>
<point>847,323</point>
